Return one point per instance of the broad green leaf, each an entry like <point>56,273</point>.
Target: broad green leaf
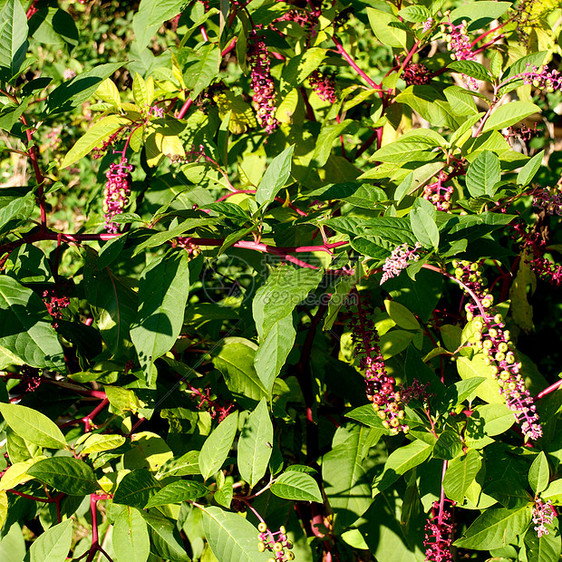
<point>297,486</point>
<point>140,92</point>
<point>255,444</point>
<point>401,315</point>
<point>177,492</point>
<point>461,101</point>
<point>273,351</point>
<point>460,474</point>
<point>16,210</point>
<point>509,114</point>
<point>66,474</point>
<point>148,450</point>
<point>496,528</point>
<point>25,326</point>
<point>483,174</point>
<point>13,38</point>
<point>54,544</point>
<point>448,446</point>
<point>275,177</point>
<point>285,287</point>
<point>546,548</point>
<point>385,33</point>
<point>186,465</point>
<point>163,292</point>
<point>200,75</point>
<point>151,15</point>
<point>94,137</point>
<point>539,473</point>
<point>17,473</point>
<point>299,67</point>
<point>471,68</point>
<point>3,507</point>
<point>422,219</point>
<point>232,538</point>
<point>235,358</point>
<point>529,170</point>
<point>489,390</point>
<point>479,13</point>
<point>33,426</point>
<point>96,443</point>
<point>165,539</point>
<point>328,134</point>
<point>430,104</point>
<point>12,544</point>
<point>130,536</point>
<point>415,14</point>
<point>107,91</point>
<point>136,488</point>
<point>488,420</point>
<point>403,151</point>
<point>217,446</point>
<point>400,461</point>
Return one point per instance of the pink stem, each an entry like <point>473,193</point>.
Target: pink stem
<point>548,390</point>
<point>340,49</point>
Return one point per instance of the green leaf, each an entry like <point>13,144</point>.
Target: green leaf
<point>163,292</point>
<point>54,544</point>
<point>328,134</point>
<point>511,77</point>
<point>130,538</point>
<point>509,114</point>
<point>255,444</point>
<point>424,227</point>
<point>448,445</point>
<point>539,473</point>
<point>479,13</point>
<point>140,92</point>
<point>273,351</point>
<point>496,528</point>
<point>177,492</point>
<point>400,461</point>
<point>200,75</point>
<point>94,137</point>
<point>136,488</point>
<point>385,33</point>
<point>151,16</point>
<point>186,465</point>
<point>232,538</point>
<point>16,210</point>
<point>296,486</point>
<point>235,358</point>
<point>483,174</point>
<point>529,170</point>
<point>107,91</point>
<point>217,446</point>
<point>33,426</point>
<point>275,177</point>
<point>471,68</point>
<point>546,548</point>
<point>13,38</point>
<point>96,443</point>
<point>165,539</point>
<point>401,315</point>
<point>489,390</point>
<point>299,67</point>
<point>25,327</point>
<point>460,474</point>
<point>66,474</point>
<point>414,14</point>
<point>461,101</point>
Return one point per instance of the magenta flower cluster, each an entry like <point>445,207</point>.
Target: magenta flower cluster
<point>438,194</point>
<point>262,84</point>
<point>456,36</point>
<point>324,86</point>
<point>55,305</point>
<point>439,532</point>
<point>275,542</point>
<point>380,386</point>
<point>543,515</point>
<point>116,193</point>
<point>495,341</point>
<point>399,260</point>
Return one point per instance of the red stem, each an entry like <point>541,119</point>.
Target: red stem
<point>548,390</point>
<point>340,49</point>
<point>184,108</point>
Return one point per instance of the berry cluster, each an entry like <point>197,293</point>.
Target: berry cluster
<point>543,78</point>
<point>439,532</point>
<point>30,379</point>
<point>543,515</point>
<point>399,260</point>
<point>438,194</point>
<point>54,305</point>
<point>549,199</point>
<point>415,73</point>
<point>495,341</point>
<point>276,543</point>
<point>324,85</point>
<point>380,386</point>
<point>262,83</point>
<point>117,191</point>
<point>216,410</point>
<point>456,36</point>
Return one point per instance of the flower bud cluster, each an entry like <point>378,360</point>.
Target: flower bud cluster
<point>427,24</point>
<point>438,194</point>
<point>456,36</point>
<point>262,84</point>
<point>324,85</point>
<point>275,542</point>
<point>549,199</point>
<point>55,305</point>
<point>192,249</point>
<point>439,533</point>
<point>380,386</point>
<point>30,379</point>
<point>415,73</point>
<point>399,260</point>
<point>542,78</point>
<point>495,342</point>
<point>117,191</point>
<point>543,514</point>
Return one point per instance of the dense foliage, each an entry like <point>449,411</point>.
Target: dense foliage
<point>280,280</point>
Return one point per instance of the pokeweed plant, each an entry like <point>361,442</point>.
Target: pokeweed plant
<point>267,280</point>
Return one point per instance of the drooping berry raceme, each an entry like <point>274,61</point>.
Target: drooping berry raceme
<point>543,515</point>
<point>117,191</point>
<point>495,341</point>
<point>399,260</point>
<point>542,78</point>
<point>438,194</point>
<point>439,532</point>
<point>379,385</point>
<point>275,542</point>
<point>262,83</point>
<point>460,47</point>
<point>324,86</point>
